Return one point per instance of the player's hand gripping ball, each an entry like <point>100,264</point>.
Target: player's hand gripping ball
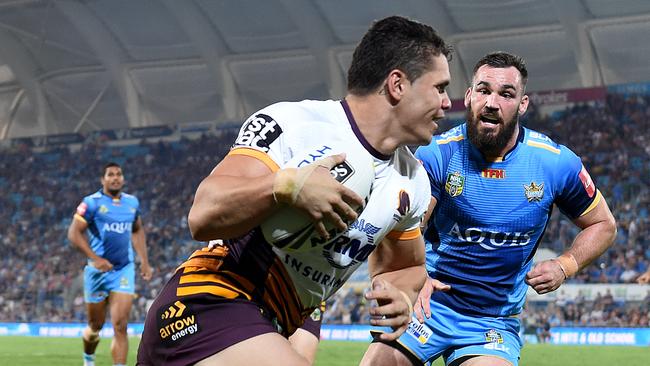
<point>289,228</point>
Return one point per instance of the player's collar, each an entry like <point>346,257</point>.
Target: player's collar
<point>520,139</point>
<point>118,198</point>
<point>360,137</point>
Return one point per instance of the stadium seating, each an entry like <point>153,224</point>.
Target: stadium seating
<point>40,276</point>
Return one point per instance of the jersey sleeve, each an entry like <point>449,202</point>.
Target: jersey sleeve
<point>86,210</point>
<point>431,157</point>
<point>261,137</point>
<point>576,192</point>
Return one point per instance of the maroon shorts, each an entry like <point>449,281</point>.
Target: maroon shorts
<point>184,330</point>
<point>313,322</point>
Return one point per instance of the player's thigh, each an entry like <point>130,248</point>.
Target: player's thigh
<point>262,350</point>
<point>381,354</point>
<point>481,361</point>
<point>120,306</point>
<point>305,343</point>
<point>96,314</point>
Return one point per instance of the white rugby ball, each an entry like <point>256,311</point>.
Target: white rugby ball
<point>288,228</point>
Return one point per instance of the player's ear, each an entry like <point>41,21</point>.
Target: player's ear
<point>395,85</point>
<point>468,94</point>
<point>523,104</point>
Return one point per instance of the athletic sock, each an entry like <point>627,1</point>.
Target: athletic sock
<point>89,360</point>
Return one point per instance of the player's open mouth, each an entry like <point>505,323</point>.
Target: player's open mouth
<point>489,119</point>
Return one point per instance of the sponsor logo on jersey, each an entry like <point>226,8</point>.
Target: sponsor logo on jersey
<point>117,227</point>
<point>454,184</point>
<point>539,136</point>
<point>340,250</point>
<point>585,178</point>
<point>340,172</point>
<point>315,154</point>
<point>344,252</point>
<point>419,331</point>
<point>176,322</point>
<point>367,228</point>
<point>311,273</point>
<point>259,132</point>
<point>493,173</point>
<point>491,240</point>
<point>534,192</point>
<point>81,209</point>
<point>103,209</point>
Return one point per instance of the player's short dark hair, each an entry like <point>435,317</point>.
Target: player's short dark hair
<point>393,43</point>
<point>110,164</point>
<point>502,60</point>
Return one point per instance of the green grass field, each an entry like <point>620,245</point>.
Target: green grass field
<point>28,351</point>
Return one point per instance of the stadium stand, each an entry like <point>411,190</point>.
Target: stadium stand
<point>40,276</point>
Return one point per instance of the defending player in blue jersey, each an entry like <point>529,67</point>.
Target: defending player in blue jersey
<point>103,228</point>
<point>493,186</point>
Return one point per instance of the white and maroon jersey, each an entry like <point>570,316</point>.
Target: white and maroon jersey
<point>291,281</point>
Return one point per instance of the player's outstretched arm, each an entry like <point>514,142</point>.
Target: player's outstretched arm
<point>242,191</point>
<point>398,273</point>
<point>597,235</point>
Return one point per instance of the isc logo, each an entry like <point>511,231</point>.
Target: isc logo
<point>342,172</point>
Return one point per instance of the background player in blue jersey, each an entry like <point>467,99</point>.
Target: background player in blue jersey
<point>494,184</point>
<point>106,228</point>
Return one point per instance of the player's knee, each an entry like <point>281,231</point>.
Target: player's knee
<point>90,335</point>
<point>95,326</point>
<point>120,325</point>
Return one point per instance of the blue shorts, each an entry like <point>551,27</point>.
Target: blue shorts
<point>453,335</point>
<point>98,285</point>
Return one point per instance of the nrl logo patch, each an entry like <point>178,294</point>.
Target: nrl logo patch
<point>534,192</point>
<point>492,336</point>
<point>454,184</point>
<point>316,315</point>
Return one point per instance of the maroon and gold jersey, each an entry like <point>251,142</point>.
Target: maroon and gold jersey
<point>291,281</point>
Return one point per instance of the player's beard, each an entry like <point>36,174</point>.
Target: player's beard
<point>488,144</point>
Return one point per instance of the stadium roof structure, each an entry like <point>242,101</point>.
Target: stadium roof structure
<point>84,65</point>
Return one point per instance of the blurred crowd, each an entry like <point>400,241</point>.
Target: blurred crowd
<point>349,306</point>
<point>613,140</point>
<point>40,272</point>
